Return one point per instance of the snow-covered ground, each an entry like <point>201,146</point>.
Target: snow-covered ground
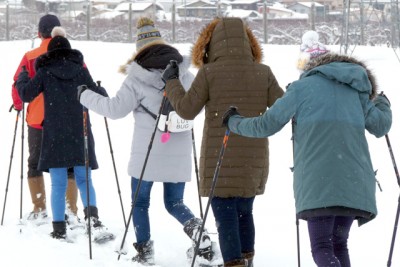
<point>26,245</point>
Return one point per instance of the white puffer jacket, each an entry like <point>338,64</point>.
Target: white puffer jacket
<point>168,162</point>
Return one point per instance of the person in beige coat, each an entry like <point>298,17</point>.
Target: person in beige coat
<point>228,57</point>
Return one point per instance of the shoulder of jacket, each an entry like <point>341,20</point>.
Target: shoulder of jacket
<point>34,53</point>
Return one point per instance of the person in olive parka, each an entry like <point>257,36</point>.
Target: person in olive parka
<point>230,73</point>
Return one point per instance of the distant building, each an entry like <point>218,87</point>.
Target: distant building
<point>139,9</point>
<point>202,9</point>
<point>305,8</point>
<point>245,4</point>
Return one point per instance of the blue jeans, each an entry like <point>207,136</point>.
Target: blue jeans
<point>235,225</point>
<point>59,188</point>
<point>328,237</point>
<point>173,202</point>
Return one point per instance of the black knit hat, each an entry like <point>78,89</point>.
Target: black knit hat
<point>47,23</point>
<point>58,40</point>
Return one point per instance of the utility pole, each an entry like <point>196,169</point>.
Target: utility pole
<point>344,42</point>
<point>265,21</point>
<point>88,14</point>
<point>173,20</point>
<point>312,15</point>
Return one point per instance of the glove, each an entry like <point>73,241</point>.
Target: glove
<point>171,71</point>
<point>23,75</point>
<point>228,114</point>
<point>384,96</point>
<point>81,89</point>
<point>102,91</point>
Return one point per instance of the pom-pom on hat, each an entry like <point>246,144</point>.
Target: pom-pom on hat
<point>310,48</point>
<point>147,34</point>
<point>47,23</point>
<point>59,40</point>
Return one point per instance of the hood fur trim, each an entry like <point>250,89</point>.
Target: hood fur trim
<point>333,57</point>
<point>123,68</point>
<point>200,48</point>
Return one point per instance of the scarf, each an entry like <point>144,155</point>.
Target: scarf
<point>158,56</point>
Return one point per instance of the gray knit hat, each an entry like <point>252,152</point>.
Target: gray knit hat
<point>147,34</point>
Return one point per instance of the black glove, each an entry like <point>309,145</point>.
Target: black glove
<point>102,91</point>
<point>23,75</point>
<point>228,114</point>
<point>171,71</point>
<point>81,89</point>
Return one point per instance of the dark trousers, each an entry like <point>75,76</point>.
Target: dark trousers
<point>34,146</point>
<point>235,225</point>
<point>328,238</point>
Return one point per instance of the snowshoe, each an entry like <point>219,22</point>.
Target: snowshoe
<point>145,255</point>
<point>99,232</point>
<point>206,257</point>
<point>37,218</point>
<point>74,222</point>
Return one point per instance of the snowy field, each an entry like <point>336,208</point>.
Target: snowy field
<point>26,245</point>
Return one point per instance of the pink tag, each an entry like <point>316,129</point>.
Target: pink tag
<point>165,137</point>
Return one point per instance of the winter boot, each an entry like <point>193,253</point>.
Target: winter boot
<point>59,230</point>
<point>71,196</point>
<point>249,256</point>
<point>38,195</point>
<point>98,230</point>
<point>192,229</point>
<point>145,253</point>
<point>236,263</point>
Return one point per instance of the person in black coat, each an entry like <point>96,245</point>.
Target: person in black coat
<point>58,74</point>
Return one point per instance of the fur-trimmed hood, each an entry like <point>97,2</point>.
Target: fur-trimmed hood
<point>124,68</point>
<point>316,65</point>
<point>225,37</point>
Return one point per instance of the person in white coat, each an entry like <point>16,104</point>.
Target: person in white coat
<point>169,161</point>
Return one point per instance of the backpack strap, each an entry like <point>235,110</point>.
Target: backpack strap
<point>148,111</point>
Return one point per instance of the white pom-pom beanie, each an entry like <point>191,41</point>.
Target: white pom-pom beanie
<point>310,48</point>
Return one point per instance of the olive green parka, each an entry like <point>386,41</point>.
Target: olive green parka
<point>230,73</point>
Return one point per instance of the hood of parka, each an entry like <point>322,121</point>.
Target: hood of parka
<point>331,57</point>
<point>225,37</point>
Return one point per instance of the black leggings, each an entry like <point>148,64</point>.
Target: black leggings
<point>328,236</point>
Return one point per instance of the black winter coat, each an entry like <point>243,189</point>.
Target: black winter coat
<point>58,74</point>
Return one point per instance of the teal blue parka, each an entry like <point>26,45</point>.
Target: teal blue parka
<point>332,104</point>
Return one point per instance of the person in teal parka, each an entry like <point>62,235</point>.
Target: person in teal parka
<point>331,105</point>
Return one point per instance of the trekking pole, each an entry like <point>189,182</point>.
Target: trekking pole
<point>86,153</point>
<point>9,168</point>
<point>297,219</point>
<point>113,161</point>
<point>22,158</point>
<point>115,170</point>
<point>396,222</point>
<point>211,195</point>
<point>197,173</point>
<point>163,101</point>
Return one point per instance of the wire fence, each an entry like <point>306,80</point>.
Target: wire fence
<point>20,24</point>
